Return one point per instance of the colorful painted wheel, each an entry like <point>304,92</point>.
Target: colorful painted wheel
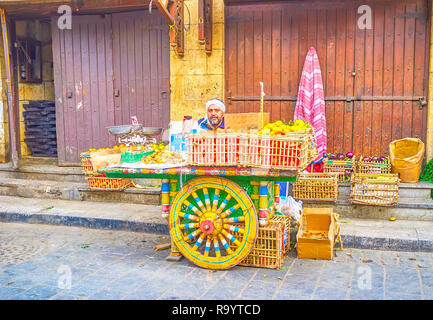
<point>213,222</point>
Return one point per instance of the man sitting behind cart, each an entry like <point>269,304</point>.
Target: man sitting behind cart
<point>214,119</point>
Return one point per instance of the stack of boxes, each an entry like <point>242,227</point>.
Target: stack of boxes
<point>40,128</point>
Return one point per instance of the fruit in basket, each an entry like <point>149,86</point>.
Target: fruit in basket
<point>332,156</point>
<point>280,128</point>
<point>382,159</point>
<point>349,155</point>
<point>374,159</point>
<point>340,156</point>
<point>366,159</point>
<point>163,156</point>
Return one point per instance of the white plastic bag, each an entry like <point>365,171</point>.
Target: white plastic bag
<point>291,207</point>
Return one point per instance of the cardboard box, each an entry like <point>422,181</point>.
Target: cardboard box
<point>244,122</point>
<point>316,233</point>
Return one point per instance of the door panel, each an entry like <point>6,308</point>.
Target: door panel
<point>141,68</point>
<point>386,64</point>
<point>83,86</point>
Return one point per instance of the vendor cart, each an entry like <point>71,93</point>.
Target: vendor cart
<point>220,207</point>
<point>216,200</point>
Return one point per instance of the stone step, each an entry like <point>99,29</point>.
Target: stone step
<point>407,209</point>
<point>421,190</point>
<point>46,189</point>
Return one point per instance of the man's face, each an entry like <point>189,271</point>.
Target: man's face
<point>215,115</point>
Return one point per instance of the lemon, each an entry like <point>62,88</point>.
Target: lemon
<point>392,219</point>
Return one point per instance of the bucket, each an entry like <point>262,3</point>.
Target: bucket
<point>406,157</point>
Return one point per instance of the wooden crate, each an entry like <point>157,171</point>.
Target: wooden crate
<point>374,189</point>
<point>268,251</point>
<point>316,234</point>
<point>373,167</point>
<point>316,187</point>
<point>339,167</point>
<point>244,122</point>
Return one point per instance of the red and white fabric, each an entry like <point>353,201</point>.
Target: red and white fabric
<point>310,105</point>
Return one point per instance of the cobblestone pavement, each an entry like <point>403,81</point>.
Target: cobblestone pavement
<point>56,262</point>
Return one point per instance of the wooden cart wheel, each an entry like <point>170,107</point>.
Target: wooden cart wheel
<point>213,222</point>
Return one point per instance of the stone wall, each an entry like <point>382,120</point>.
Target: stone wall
<point>4,127</point>
<point>197,76</point>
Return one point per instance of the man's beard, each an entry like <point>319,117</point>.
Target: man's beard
<point>215,122</point>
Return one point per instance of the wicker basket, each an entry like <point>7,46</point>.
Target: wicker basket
<point>268,251</point>
<point>102,183</point>
<point>316,186</point>
<point>373,167</point>
<point>339,167</point>
<point>374,189</point>
<point>290,152</point>
<point>285,220</point>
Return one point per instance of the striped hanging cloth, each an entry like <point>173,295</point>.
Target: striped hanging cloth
<point>310,105</point>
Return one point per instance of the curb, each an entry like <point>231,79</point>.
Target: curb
<point>86,222</point>
<point>349,241</point>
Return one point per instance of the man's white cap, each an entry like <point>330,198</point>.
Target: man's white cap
<point>216,102</point>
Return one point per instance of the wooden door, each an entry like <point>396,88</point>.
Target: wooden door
<point>141,68</point>
<point>83,82</point>
<point>385,67</point>
<point>107,69</point>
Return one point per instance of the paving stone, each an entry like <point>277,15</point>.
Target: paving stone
<point>221,293</point>
<point>37,293</point>
<point>266,289</point>
<point>189,289</point>
<point>61,296</point>
<point>107,294</point>
<point>392,295</point>
<point>323,293</point>
<point>372,256</point>
<point>86,287</point>
<point>358,294</point>
<point>264,274</point>
<point>9,293</point>
<point>293,294</point>
<point>389,258</point>
<point>151,290</point>
<point>402,280</point>
<point>132,270</point>
<point>336,275</point>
